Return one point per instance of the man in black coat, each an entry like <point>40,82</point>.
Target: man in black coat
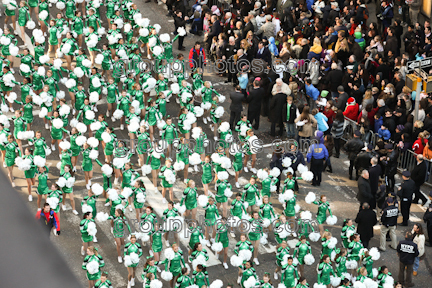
<point>366,220</point>
<point>405,193</point>
<point>353,148</point>
<point>374,175</point>
<point>277,104</point>
<point>390,164</point>
<point>389,217</point>
<point>179,21</point>
<point>215,30</point>
<point>263,53</point>
<point>363,159</point>
<point>418,176</point>
<point>407,252</point>
<point>254,99</point>
<point>364,194</point>
<point>427,218</point>
<point>334,79</point>
<point>236,106</point>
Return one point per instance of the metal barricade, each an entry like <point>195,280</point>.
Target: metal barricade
<point>350,127</point>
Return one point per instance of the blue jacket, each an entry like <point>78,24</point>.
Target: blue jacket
<point>385,134</point>
<point>311,91</point>
<point>272,46</point>
<point>243,80</point>
<point>317,151</point>
<point>377,125</point>
<point>322,122</point>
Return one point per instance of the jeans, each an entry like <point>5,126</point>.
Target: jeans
<point>291,130</point>
<point>384,231</point>
<point>416,264</point>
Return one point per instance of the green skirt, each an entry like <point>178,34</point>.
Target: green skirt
<point>206,179</point>
<point>87,238</point>
<point>10,12</point>
<point>29,174</point>
<point>138,205</point>
<point>10,162</point>
<point>225,244</point>
<point>237,166</point>
<point>94,277</point>
<point>221,199</point>
<point>156,247</point>
<point>42,190</point>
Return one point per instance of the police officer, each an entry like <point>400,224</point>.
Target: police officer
<point>427,218</point>
<point>353,147</point>
<point>388,223</point>
<point>407,252</point>
<point>316,156</point>
<point>405,193</point>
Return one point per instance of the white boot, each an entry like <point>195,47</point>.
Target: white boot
<point>237,185</point>
<point>196,168</point>
<point>238,280</point>
<point>275,276</point>
<point>205,120</point>
<point>107,114</point>
<point>246,169</point>
<point>52,147</point>
<point>133,282</point>
<point>119,258</point>
<point>95,239</point>
<point>30,198</point>
<point>64,207</point>
<point>129,284</point>
<point>115,181</point>
<point>82,250</point>
<point>256,261</point>
<point>225,266</point>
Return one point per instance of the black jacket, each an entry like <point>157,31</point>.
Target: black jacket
<point>363,160</point>
<point>418,174</point>
<point>334,78</point>
<point>407,190</point>
<point>389,216</point>
<point>391,162</point>
<point>215,30</point>
<point>254,99</point>
<point>427,218</point>
<point>266,55</point>
<point>236,101</point>
<point>353,147</point>
<point>374,174</point>
<point>364,193</point>
<point>277,104</point>
<point>366,219</point>
<point>293,113</point>
<point>407,251</point>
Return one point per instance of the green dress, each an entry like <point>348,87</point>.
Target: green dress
<point>165,183</point>
<point>116,202</point>
<point>206,177</point>
<point>85,237</point>
<point>133,248</point>
<point>183,153</point>
<point>56,194</point>
<point>183,281</point>
<point>222,235</point>
<point>91,201</point>
<point>136,192</point>
<point>149,269</point>
<point>189,198</point>
<point>155,159</point>
<point>246,274</point>
<point>11,153</point>
<point>322,211</point>
<point>221,186</point>
<point>106,284</point>
<point>90,258</point>
<point>301,250</point>
<point>280,254</point>
<point>195,237</point>
<point>42,188</point>
<point>250,192</point>
<point>119,226</point>
<point>65,189</point>
<point>157,241</point>
<point>290,204</point>
<point>256,229</point>
<point>169,133</point>
<point>341,265</point>
<point>266,211</point>
<point>176,264</point>
<point>246,245</point>
<point>344,234</point>
<point>109,147</point>
<point>324,272</point>
<point>197,253</point>
<point>355,250</point>
<point>151,116</point>
<point>149,218</point>
<point>237,208</point>
<point>200,278</point>
<point>289,275</point>
<point>211,214</point>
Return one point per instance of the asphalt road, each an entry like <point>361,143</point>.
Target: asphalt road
<point>340,192</point>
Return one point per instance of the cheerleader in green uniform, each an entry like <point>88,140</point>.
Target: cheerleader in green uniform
<point>68,190</point>
<point>34,7</point>
<point>200,276</point>
<point>289,273</point>
<point>155,164</point>
<point>42,188</point>
<point>25,88</point>
<point>54,36</point>
<point>139,191</point>
<point>27,107</point>
<point>242,131</point>
<point>68,46</point>
<point>355,248</point>
<point>182,155</point>
<point>165,183</point>
<point>171,212</point>
<point>161,103</point>
<point>43,6</point>
<point>19,126</point>
<point>183,281</point>
<point>143,144</point>
<point>255,234</point>
<point>206,177</point>
<point>37,79</point>
<point>327,245</point>
<point>107,182</point>
<point>75,149</point>
<point>87,163</point>
<point>112,96</point>
<point>132,247</point>
<point>90,200</point>
<point>247,271</point>
<point>281,251</point>
<point>147,279</point>
<point>6,132</point>
<point>348,229</point>
<point>29,174</point>
<point>56,129</point>
<point>281,228</point>
<point>340,261</point>
<point>5,72</point>
<point>152,117</point>
<point>243,244</point>
<point>169,133</point>
<point>150,268</point>
<point>302,248</point>
<point>222,237</point>
<point>11,153</point>
<point>325,270</point>
<point>266,282</point>
<point>176,266</point>
<point>120,153</point>
<point>156,246</point>
<point>211,215</point>
<point>189,199</point>
<point>23,18</point>
<point>109,138</point>
<point>65,156</point>
<point>87,118</point>
<point>92,255</point>
<point>103,282</point>
<point>123,103</point>
<point>250,193</point>
<point>237,209</point>
<point>362,275</point>
<point>207,96</point>
<point>184,129</point>
<point>10,12</point>
<point>323,206</point>
<point>56,193</point>
<point>86,238</point>
<point>291,182</point>
<point>302,283</point>
<point>266,210</point>
<point>195,236</point>
<point>201,143</point>
<point>120,224</point>
<point>383,275</point>
<point>197,251</point>
<point>26,59</point>
<point>250,150</point>
<point>102,125</point>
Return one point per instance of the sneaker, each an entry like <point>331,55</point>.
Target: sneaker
<point>88,187</point>
<point>237,185</point>
<point>115,181</point>
<point>129,284</point>
<point>107,114</point>
<point>294,234</point>
<point>82,250</point>
<point>30,198</point>
<point>95,109</point>
<point>113,119</point>
<point>64,207</point>
<point>73,112</point>
<point>156,190</point>
<point>196,168</point>
<point>208,119</point>
<point>4,164</point>
<point>46,126</point>
<point>212,240</point>
<point>238,280</point>
<point>53,147</point>
<point>177,101</point>
<point>74,170</point>
<point>11,109</point>
<point>232,234</point>
<point>107,204</point>
<point>164,201</point>
<point>255,260</point>
<point>225,266</point>
<point>215,138</point>
<point>275,276</point>
<point>205,120</point>
<point>167,243</point>
<point>212,128</point>
<point>254,170</point>
<point>149,56</point>
<point>120,260</point>
<point>130,208</point>
<point>133,282</point>
<point>95,239</point>
<point>246,169</point>
<point>189,261</point>
<point>75,212</point>
<point>121,127</point>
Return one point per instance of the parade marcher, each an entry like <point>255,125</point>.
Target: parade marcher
<point>405,193</point>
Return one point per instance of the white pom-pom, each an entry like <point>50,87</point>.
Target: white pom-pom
<point>351,264</point>
<point>58,63</point>
<point>181,31</point>
<point>369,283</point>
<point>12,97</point>
<point>97,189</point>
<point>236,261</point>
<point>309,259</point>
<point>80,140</point>
<point>178,166</point>
<point>374,253</point>
<point>66,48</point>
<point>266,222</point>
<point>60,95</point>
<point>316,285</point>
<point>60,5</point>
<point>53,202</point>
<point>202,200</point>
<point>95,126</point>
<point>86,208</point>
<point>57,123</point>
<point>332,243</point>
<point>31,25</point>
<point>262,174</point>
<point>43,112</point>
<point>65,145</point>
<point>156,284</point>
<point>39,161</point>
<point>101,31</point>
<point>195,159</point>
<point>107,170</point>
<point>169,254</point>
<point>306,215</point>
<point>86,63</point>
<point>81,127</point>
<point>250,282</point>
<point>23,164</point>
<point>157,50</point>
<point>335,281</point>
<point>245,254</point>
<point>307,176</point>
<point>216,284</point>
<point>118,114</point>
<point>314,236</point>
<point>93,266</point>
<point>217,247</point>
<point>164,38</point>
<point>228,193</point>
<point>331,220</point>
<point>24,68</point>
<point>106,137</point>
<point>310,197</point>
<point>70,182</point>
<point>275,172</point>
<point>286,162</point>
<point>94,154</point>
<point>146,169</point>
<point>302,168</point>
<point>223,175</point>
<point>78,72</point>
<point>180,208</point>
<point>281,285</point>
<point>61,182</point>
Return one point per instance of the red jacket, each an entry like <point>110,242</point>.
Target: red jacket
<point>351,111</point>
<point>330,114</point>
<point>418,146</point>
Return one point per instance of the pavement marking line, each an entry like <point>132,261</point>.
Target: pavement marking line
<point>338,188</point>
<point>27,40</point>
<point>155,200</point>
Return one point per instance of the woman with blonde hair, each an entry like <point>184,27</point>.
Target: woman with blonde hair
<point>93,255</point>
<point>189,199</point>
<point>367,99</point>
<point>305,123</point>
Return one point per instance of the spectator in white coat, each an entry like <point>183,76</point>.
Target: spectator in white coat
<point>419,239</point>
